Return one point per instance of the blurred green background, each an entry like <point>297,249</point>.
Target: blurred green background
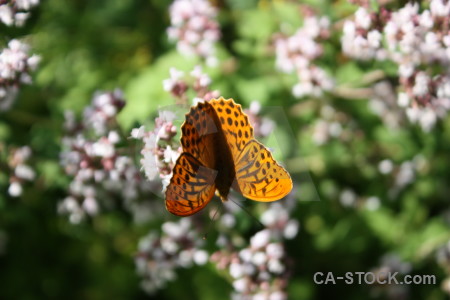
<point>100,45</point>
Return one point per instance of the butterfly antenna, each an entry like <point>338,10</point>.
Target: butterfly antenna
<point>248,213</point>
<point>211,221</point>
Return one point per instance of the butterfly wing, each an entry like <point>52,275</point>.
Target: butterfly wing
<point>198,132</point>
<point>235,125</point>
<point>258,176</point>
<point>191,186</point>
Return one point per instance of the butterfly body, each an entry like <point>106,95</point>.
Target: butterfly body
<point>219,152</point>
<point>223,161</point>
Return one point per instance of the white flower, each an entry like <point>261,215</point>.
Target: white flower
<point>240,285</point>
<point>413,114</point>
<point>372,203</point>
<point>176,74</point>
<point>385,166</point>
<point>24,172</point>
<point>138,133</point>
<point>335,129</point>
<point>228,220</point>
<point>90,205</point>
<point>260,296</point>
<point>200,257</point>
<point>277,295</point>
<point>185,258</point>
<point>406,70</point>
<point>174,230</point>
<point>26,4</point>
<point>406,174</point>
<point>275,250</point>
<point>403,99</point>
<point>6,15</point>
<point>103,148</point>
<point>170,156</point>
<point>362,18</point>
<point>427,119</point>
<point>291,229</point>
<point>165,180</point>
<point>169,245</point>
<point>347,197</point>
<point>275,214</point>
<point>275,266</point>
<point>113,137</point>
<point>197,100</point>
<point>374,38</point>
<point>421,84</point>
<point>236,270</point>
<point>259,258</point>
<point>439,8</point>
<point>33,61</point>
<point>15,189</point>
<point>245,255</point>
<point>149,160</point>
<point>167,116</point>
<point>426,19</point>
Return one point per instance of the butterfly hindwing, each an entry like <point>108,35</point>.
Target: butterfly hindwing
<point>258,176</point>
<point>191,186</point>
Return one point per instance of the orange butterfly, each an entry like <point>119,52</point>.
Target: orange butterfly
<point>219,152</point>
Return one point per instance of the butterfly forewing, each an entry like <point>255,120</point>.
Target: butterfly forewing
<point>234,124</point>
<point>198,132</point>
<point>191,186</point>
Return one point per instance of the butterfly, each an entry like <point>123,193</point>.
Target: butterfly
<point>219,153</point>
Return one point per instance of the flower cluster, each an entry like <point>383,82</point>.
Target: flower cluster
<point>425,99</point>
<point>179,84</point>
<point>362,38</point>
<point>330,125</point>
<point>261,269</point>
<point>14,12</point>
<point>159,255</point>
<point>20,170</point>
<point>383,103</point>
<point>297,53</point>
<point>160,150</point>
<point>418,42</point>
<point>403,174</point>
<point>100,169</point>
<point>15,66</point>
<point>194,28</point>
<point>350,199</point>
